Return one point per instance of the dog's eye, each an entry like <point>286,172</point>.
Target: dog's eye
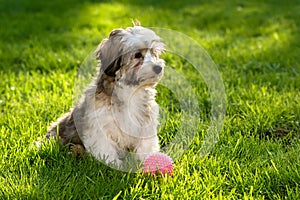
<point>138,55</point>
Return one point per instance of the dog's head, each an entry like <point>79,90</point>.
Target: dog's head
<point>131,56</point>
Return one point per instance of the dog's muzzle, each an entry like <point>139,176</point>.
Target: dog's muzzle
<point>149,59</point>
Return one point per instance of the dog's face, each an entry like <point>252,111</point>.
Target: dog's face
<point>132,56</point>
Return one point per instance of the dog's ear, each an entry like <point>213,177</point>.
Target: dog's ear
<point>109,52</point>
<point>115,32</point>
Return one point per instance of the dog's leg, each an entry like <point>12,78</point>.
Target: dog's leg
<point>146,147</point>
<point>112,156</point>
<point>103,150</point>
<point>66,130</point>
<point>77,150</point>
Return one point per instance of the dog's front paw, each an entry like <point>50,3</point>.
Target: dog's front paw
<point>77,150</point>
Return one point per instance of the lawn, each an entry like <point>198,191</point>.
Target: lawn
<point>254,44</point>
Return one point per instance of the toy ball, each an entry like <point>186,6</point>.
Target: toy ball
<point>158,163</point>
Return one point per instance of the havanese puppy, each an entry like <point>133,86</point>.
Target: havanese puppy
<point>118,112</point>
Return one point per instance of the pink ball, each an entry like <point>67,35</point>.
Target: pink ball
<point>158,163</point>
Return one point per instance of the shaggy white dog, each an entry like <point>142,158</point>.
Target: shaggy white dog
<point>118,113</point>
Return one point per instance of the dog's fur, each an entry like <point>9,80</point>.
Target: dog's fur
<point>118,113</point>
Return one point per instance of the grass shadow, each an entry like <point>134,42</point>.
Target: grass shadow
<point>47,36</point>
<point>40,36</point>
<point>63,176</point>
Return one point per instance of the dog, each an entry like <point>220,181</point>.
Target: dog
<point>117,112</point>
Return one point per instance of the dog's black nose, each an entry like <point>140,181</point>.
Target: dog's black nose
<point>157,69</point>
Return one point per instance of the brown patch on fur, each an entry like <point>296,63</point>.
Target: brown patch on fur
<point>66,129</point>
<point>77,150</point>
<point>105,84</point>
<point>104,90</point>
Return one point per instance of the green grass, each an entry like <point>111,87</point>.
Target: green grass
<point>256,47</point>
